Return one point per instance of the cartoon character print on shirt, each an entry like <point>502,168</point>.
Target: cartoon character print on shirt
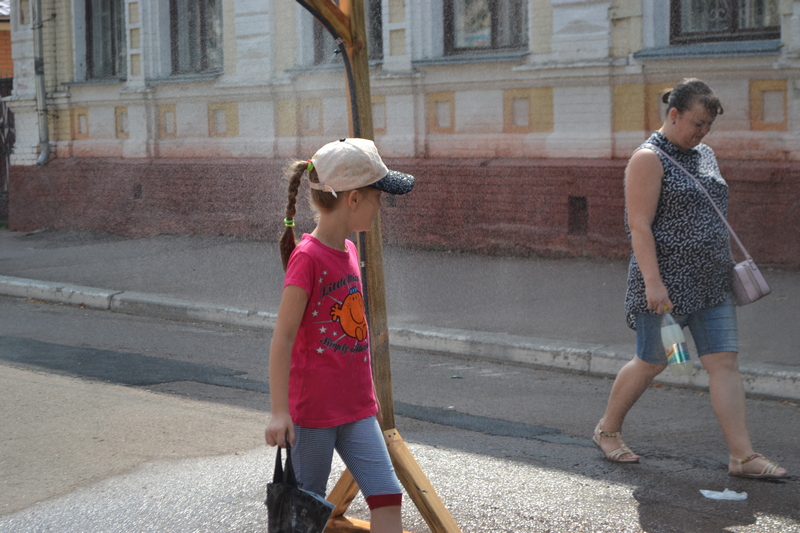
<point>347,312</point>
<point>351,315</point>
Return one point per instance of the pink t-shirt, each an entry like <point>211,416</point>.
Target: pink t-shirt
<point>330,382</point>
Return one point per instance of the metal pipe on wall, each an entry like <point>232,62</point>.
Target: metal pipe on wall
<point>41,95</point>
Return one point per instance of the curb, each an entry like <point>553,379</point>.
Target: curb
<point>49,291</point>
<point>142,304</point>
<point>594,359</point>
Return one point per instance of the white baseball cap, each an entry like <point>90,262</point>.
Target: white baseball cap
<point>352,163</point>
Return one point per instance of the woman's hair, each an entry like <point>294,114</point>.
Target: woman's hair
<point>684,95</point>
<point>320,200</point>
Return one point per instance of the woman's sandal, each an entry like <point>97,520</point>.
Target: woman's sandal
<point>770,470</point>
<point>616,455</point>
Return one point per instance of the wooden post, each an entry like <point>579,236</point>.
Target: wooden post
<point>347,22</point>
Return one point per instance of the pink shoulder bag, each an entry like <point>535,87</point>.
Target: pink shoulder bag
<point>749,284</point>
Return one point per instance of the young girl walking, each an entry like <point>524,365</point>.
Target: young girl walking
<point>320,375</point>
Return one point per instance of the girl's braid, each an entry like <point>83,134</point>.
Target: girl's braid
<point>288,242</point>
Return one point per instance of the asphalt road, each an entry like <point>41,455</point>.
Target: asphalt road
<point>120,423</point>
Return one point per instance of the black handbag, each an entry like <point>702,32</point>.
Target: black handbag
<point>291,509</point>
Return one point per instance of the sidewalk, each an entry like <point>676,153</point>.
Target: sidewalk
<point>565,314</point>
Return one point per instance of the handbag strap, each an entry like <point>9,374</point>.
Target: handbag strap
<point>281,475</point>
<point>713,204</point>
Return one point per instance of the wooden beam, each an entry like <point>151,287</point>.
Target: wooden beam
<point>413,479</point>
<point>348,525</point>
<point>342,494</point>
<point>348,19</point>
<point>334,16</point>
<point>418,486</point>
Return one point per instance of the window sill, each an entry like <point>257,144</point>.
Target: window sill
<point>178,78</point>
<point>705,50</point>
<point>94,81</point>
<point>333,66</point>
<point>484,57</point>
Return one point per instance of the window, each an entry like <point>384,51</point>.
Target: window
<point>196,35</point>
<point>485,24</point>
<point>324,45</point>
<point>106,48</point>
<point>694,21</point>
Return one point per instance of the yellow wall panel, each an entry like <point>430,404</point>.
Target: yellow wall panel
<point>167,121</point>
<point>223,119</point>
<point>311,116</point>
<point>768,106</point>
<point>80,123</point>
<point>285,41</point>
<point>397,11</point>
<point>536,102</point>
<point>442,112</point>
<point>379,114</point>
<point>135,42</point>
<point>133,12</point>
<point>542,109</point>
<point>397,42</point>
<point>286,121</point>
<point>629,107</point>
<point>121,118</point>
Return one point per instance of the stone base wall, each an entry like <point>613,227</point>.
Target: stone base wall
<point>553,207</point>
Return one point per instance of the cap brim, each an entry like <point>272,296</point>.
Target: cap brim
<point>395,183</point>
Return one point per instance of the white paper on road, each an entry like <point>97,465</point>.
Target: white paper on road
<point>724,495</point>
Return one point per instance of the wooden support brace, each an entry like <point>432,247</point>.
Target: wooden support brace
<point>414,480</point>
<point>418,486</point>
<point>348,525</point>
<point>342,494</point>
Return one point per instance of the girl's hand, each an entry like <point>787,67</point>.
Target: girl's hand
<point>279,430</point>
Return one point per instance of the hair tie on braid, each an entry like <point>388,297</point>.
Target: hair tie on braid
<point>288,222</point>
<point>310,165</point>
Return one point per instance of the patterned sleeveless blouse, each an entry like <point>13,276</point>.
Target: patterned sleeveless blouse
<point>692,243</point>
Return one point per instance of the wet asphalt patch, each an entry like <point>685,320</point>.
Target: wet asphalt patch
<point>142,370</point>
<point>118,367</point>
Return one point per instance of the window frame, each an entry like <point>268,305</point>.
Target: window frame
<point>449,29</point>
<point>732,33</point>
<point>204,65</point>
<point>117,43</point>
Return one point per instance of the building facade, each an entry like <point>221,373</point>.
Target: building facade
<point>6,118</point>
<point>517,116</point>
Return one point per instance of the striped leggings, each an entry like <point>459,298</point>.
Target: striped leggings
<point>363,450</point>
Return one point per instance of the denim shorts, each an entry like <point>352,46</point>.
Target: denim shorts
<point>713,330</point>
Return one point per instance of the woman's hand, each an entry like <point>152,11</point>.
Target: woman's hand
<point>657,297</point>
<point>279,430</point>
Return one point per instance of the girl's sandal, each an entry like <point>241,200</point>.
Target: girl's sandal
<point>770,471</point>
<point>617,455</point>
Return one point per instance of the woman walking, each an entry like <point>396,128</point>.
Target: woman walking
<point>681,262</point>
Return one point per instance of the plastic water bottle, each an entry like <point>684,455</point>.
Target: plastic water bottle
<point>675,344</point>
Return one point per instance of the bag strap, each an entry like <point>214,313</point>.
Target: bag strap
<point>713,204</point>
<point>290,480</point>
<point>277,476</point>
<point>284,476</point>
